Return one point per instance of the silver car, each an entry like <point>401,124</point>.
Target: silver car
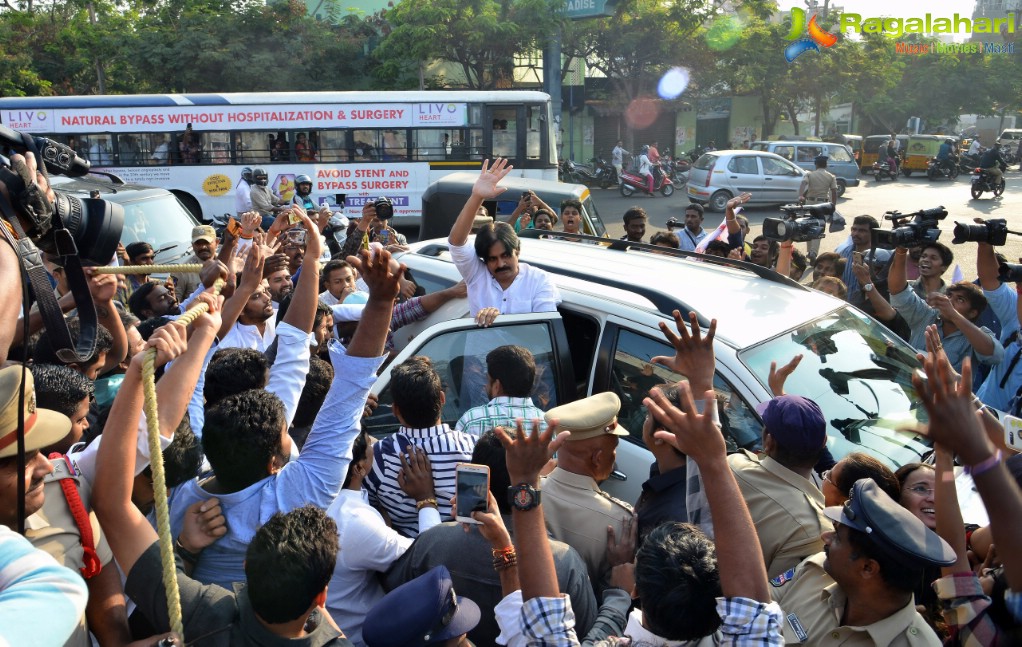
<point>718,176</point>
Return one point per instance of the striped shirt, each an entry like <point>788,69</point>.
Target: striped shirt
<point>445,447</point>
<point>502,411</point>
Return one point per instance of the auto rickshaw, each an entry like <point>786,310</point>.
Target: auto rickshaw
<point>919,151</point>
<point>874,143</point>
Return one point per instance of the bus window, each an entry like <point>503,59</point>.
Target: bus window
<point>332,147</point>
<point>251,147</point>
<point>305,147</point>
<point>431,144</point>
<point>214,147</point>
<point>129,152</point>
<point>534,118</point>
<point>280,147</point>
<point>505,132</point>
<point>366,147</point>
<point>395,145</point>
<point>98,149</point>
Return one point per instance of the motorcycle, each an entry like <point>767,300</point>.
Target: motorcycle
<point>983,181</point>
<point>605,174</point>
<point>883,170</point>
<point>573,173</point>
<point>938,169</point>
<point>968,162</point>
<point>632,182</point>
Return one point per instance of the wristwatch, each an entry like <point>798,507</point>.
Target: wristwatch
<point>523,497</point>
<point>868,287</point>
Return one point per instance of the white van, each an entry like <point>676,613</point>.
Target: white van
<point>1010,137</point>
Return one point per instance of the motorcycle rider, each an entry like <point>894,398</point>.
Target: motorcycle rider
<point>975,148</point>
<point>946,155</point>
<point>617,158</point>
<point>263,199</point>
<point>243,192</point>
<point>303,193</point>
<point>991,163</point>
<point>892,154</point>
<point>645,169</point>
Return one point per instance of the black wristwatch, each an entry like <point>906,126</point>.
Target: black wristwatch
<point>523,497</point>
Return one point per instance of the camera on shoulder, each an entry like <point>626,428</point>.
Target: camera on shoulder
<point>803,222</point>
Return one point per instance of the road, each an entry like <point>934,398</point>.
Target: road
<point>905,195</point>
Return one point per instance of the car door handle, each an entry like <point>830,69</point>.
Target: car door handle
<point>734,177</point>
<point>769,179</point>
<point>618,475</point>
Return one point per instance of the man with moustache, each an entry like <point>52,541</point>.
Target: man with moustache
<point>497,282</point>
<point>203,248</point>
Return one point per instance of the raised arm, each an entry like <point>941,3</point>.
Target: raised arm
<point>783,266</point>
<point>882,310</point>
<point>897,276</point>
<point>302,312</point>
<point>987,267</point>
<point>983,343</point>
<point>103,287</point>
<point>742,572</point>
<point>432,301</point>
<point>485,188</point>
<point>251,279</point>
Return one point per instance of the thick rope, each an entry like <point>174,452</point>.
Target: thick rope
<point>159,477</point>
<point>192,268</point>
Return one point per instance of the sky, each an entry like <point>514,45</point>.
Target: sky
<point>897,9</point>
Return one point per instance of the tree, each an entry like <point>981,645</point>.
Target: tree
<point>481,37</point>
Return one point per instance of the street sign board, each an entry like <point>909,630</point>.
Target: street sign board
<point>579,9</point>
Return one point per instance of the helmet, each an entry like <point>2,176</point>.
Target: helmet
<point>258,173</point>
<point>299,181</point>
<point>246,174</point>
<point>949,141</point>
<point>645,148</point>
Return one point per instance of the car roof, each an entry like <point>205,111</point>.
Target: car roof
<point>513,184</point>
<point>797,142</point>
<point>733,292</point>
<point>112,191</point>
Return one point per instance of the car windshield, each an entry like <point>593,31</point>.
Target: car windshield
<point>162,222</point>
<point>860,374</point>
<point>590,206</point>
<point>705,162</point>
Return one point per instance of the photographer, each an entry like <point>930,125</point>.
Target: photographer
<point>954,313</point>
<point>861,247</point>
<point>373,227</point>
<point>1005,379</point>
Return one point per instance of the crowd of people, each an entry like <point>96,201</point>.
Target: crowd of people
<point>291,524</point>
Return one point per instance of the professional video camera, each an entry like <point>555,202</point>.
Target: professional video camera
<point>804,222</point>
<point>70,227</point>
<point>910,229</point>
<point>992,232</point>
<point>1010,272</point>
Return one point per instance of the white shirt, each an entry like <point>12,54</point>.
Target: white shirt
<point>243,197</point>
<point>617,156</point>
<point>531,291</point>
<point>245,336</point>
<point>974,147</point>
<point>368,546</point>
<point>644,168</point>
<point>685,239</point>
<point>329,299</point>
<point>161,153</point>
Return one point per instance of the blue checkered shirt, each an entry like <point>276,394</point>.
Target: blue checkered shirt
<point>501,411</point>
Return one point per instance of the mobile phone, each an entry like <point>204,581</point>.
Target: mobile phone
<point>1012,430</point>
<point>526,196</point>
<point>858,257</point>
<point>339,199</point>
<point>296,236</point>
<point>472,484</point>
<point>233,227</point>
<point>293,218</point>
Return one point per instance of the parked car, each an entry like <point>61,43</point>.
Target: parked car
<point>841,161</point>
<point>605,334</point>
<point>151,214</point>
<point>718,176</point>
<point>1010,137</point>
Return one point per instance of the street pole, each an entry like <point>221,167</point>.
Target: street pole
<point>552,79</point>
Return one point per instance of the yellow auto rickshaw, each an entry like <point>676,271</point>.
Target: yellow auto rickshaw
<point>870,147</point>
<point>919,151</point>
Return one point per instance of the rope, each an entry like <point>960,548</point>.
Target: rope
<point>192,268</point>
<point>156,463</point>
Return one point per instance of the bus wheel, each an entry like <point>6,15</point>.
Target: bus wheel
<point>190,203</point>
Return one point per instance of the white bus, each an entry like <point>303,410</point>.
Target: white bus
<point>356,146</point>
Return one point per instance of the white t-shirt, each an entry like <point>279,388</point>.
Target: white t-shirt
<point>530,292</point>
<point>243,197</point>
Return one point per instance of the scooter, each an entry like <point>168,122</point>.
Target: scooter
<point>882,170</point>
<point>632,182</point>
<point>983,181</point>
<point>939,169</point>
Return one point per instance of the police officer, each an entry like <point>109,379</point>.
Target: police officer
<point>577,511</point>
<point>859,590</point>
<point>819,185</point>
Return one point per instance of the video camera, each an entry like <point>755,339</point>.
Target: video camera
<point>993,232</point>
<point>803,222</point>
<point>384,208</point>
<point>1010,272</point>
<point>73,228</point>
<point>910,229</point>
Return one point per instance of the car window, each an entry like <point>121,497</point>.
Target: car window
<point>773,166</point>
<point>758,146</point>
<point>459,357</point>
<point>839,154</point>
<point>743,164</point>
<point>860,374</point>
<point>634,375</point>
<point>787,152</point>
<point>809,153</point>
<point>705,162</point>
<point>160,221</point>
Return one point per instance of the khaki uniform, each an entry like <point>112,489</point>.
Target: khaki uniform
<point>813,605</point>
<point>817,185</point>
<point>53,530</point>
<point>578,512</point>
<point>786,508</point>
<point>186,282</point>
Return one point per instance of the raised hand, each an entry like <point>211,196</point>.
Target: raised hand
<point>778,377</point>
<point>486,186</point>
<point>211,318</point>
<point>954,420</point>
<point>623,551</point>
<point>691,433</point>
<point>693,356</point>
<point>250,221</point>
<point>211,271</point>
<point>491,524</point>
<point>170,341</point>
<point>527,454</point>
<point>416,475</point>
<point>486,316</point>
<point>374,266</point>
<point>103,287</point>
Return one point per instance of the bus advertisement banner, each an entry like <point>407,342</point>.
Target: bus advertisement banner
<point>228,117</point>
<point>358,182</point>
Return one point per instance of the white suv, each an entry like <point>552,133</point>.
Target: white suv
<point>606,331</point>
